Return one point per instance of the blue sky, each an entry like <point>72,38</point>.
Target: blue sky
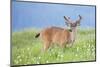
<point>40,15</point>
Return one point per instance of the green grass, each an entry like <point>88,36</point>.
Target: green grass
<point>26,49</point>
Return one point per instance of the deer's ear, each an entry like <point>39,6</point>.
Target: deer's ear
<point>80,17</point>
<point>79,20</point>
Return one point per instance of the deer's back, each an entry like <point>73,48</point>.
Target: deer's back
<point>55,34</point>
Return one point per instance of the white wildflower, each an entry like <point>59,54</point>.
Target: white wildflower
<point>47,61</point>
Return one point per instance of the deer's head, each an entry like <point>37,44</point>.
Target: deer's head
<point>72,24</point>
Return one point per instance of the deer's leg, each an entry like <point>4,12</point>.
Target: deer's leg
<point>69,45</point>
<point>63,46</point>
<point>46,46</point>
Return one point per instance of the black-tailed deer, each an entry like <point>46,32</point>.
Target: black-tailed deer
<point>59,35</point>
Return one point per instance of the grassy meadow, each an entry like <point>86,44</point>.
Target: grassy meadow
<point>26,49</point>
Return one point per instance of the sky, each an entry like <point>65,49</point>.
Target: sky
<point>40,15</point>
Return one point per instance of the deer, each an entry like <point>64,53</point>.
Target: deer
<point>59,35</point>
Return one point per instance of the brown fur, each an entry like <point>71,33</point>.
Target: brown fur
<point>59,35</point>
<point>55,35</point>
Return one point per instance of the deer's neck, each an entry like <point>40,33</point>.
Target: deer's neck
<point>73,34</point>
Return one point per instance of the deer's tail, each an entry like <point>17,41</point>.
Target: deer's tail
<point>37,35</point>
